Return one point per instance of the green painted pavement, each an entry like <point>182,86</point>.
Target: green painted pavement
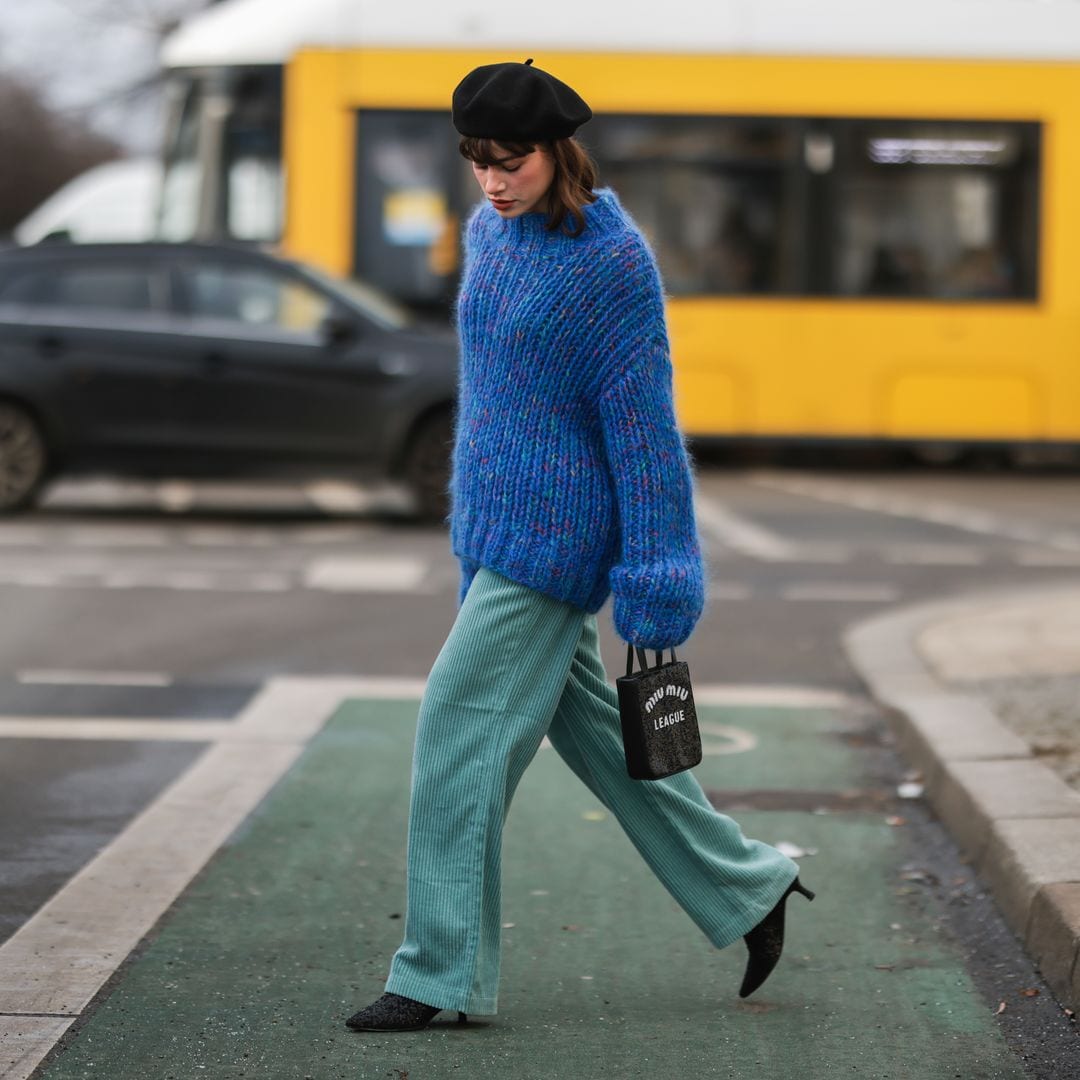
<point>292,926</point>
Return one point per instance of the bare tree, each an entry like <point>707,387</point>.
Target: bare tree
<point>41,151</point>
<point>157,17</point>
<point>96,62</point>
<point>46,141</point>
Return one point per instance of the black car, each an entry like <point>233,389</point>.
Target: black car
<point>197,360</point>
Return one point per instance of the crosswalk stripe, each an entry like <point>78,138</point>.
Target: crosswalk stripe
<point>935,511</point>
<point>366,574</point>
<point>176,495</point>
<point>933,555</point>
<point>741,534</point>
<point>1047,558</point>
<point>122,536</point>
<point>94,678</point>
<point>338,497</point>
<point>719,590</point>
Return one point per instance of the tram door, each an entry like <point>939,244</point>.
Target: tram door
<point>411,199</point>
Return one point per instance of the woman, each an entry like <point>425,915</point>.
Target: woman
<point>570,481</point>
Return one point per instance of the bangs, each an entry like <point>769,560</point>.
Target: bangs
<point>491,152</point>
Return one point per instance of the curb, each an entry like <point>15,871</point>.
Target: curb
<point>1014,818</point>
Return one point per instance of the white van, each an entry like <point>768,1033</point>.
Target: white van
<point>116,201</point>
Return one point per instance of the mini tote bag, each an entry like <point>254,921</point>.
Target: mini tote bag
<point>659,721</point>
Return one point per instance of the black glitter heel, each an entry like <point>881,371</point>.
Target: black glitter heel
<point>392,1012</point>
<point>766,941</point>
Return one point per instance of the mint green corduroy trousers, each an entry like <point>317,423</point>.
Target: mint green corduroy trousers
<point>516,666</point>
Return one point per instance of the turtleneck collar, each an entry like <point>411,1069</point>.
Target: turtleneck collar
<point>532,226</point>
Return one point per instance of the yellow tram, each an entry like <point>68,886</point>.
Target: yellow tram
<point>866,219</point>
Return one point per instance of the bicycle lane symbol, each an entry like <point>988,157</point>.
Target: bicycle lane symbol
<point>717,739</point>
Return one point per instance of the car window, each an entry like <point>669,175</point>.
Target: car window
<point>255,298</point>
<point>380,308</point>
<point>88,286</point>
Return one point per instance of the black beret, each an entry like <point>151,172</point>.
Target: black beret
<point>516,103</point>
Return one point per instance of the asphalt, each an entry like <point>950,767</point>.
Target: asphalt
<point>290,924</point>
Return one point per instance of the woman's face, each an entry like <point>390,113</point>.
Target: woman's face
<point>516,185</point>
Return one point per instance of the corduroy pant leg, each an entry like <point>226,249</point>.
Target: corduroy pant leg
<point>487,705</point>
<point>725,882</point>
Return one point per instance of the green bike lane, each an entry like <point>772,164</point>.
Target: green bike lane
<point>290,929</point>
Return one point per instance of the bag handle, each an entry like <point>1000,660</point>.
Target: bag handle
<point>642,659</point>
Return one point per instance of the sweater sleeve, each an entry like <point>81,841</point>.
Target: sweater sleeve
<point>658,581</point>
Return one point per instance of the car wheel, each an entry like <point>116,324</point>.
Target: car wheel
<point>427,466</point>
<point>23,458</point>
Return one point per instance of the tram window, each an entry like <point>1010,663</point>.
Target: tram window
<point>933,209</point>
<point>715,196</point>
<point>406,198</point>
<point>254,196</point>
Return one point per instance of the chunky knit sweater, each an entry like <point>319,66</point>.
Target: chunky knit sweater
<point>569,473</point>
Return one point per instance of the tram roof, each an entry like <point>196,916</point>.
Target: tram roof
<point>270,31</point>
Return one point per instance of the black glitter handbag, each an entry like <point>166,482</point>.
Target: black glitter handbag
<point>659,721</point>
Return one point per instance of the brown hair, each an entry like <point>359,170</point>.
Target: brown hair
<point>575,174</point>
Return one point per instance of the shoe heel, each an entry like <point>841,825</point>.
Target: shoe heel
<point>462,1018</point>
<point>798,886</point>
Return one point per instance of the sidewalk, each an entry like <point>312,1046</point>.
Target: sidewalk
<point>291,926</point>
<point>954,672</point>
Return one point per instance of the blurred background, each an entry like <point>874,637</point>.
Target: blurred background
<point>850,214</point>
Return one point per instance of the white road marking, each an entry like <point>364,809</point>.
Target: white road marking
<point>337,497</point>
<point>719,590</point>
<point>748,538</point>
<point>1035,557</point>
<point>118,536</point>
<point>257,582</point>
<point>933,555</point>
<point>162,579</point>
<point>341,497</point>
<point>17,536</point>
<point>740,534</point>
<point>176,495</point>
<point>215,536</point>
<point>731,740</point>
<point>107,729</point>
<point>95,678</point>
<point>205,581</point>
<point>374,574</point>
<point>332,496</point>
<point>936,511</point>
<point>100,491</point>
<point>330,533</point>
<point>841,591</point>
<point>822,552</point>
<point>33,578</point>
<point>366,574</point>
<point>231,536</point>
<point>26,1040</point>
<point>197,581</point>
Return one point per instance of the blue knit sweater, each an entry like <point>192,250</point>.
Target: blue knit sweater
<point>569,472</point>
